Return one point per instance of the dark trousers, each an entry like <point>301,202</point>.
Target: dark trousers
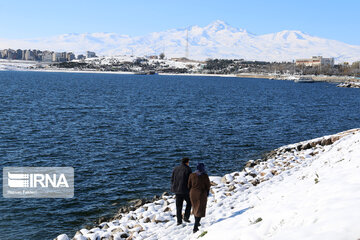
<point>197,222</point>
<point>179,204</point>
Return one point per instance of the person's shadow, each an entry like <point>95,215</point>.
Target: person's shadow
<point>237,213</point>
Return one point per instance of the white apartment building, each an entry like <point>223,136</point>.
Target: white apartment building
<point>315,61</point>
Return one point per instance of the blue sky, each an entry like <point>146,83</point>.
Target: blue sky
<point>331,19</point>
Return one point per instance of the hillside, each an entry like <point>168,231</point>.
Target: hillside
<point>216,40</point>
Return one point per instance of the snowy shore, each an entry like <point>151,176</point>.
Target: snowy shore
<point>307,190</point>
<point>33,66</point>
<point>350,85</point>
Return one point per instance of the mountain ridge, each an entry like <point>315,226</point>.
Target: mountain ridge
<point>215,40</point>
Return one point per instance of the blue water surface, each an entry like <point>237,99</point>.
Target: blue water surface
<point>123,134</point>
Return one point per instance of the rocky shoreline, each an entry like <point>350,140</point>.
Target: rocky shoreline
<point>155,219</point>
<point>349,85</point>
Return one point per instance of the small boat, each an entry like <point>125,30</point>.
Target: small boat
<point>304,80</point>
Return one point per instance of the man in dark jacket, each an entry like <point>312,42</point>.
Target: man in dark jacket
<point>179,186</point>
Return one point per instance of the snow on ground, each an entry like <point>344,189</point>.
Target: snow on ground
<point>16,65</point>
<point>168,63</point>
<point>308,190</point>
<point>20,65</point>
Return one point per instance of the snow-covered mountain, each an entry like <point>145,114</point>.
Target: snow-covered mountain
<point>216,40</point>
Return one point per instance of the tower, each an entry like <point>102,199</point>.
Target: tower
<point>187,44</point>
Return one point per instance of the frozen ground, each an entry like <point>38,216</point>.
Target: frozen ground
<point>308,190</point>
<point>16,65</point>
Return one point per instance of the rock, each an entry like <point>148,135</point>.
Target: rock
<point>131,237</point>
<point>103,219</point>
<point>306,146</point>
<point>161,221</point>
<point>268,155</point>
<point>262,174</point>
<point>62,237</point>
<point>167,209</point>
<point>116,230</point>
<point>252,174</point>
<point>249,164</point>
<point>299,147</point>
<point>236,174</point>
<point>165,194</point>
<point>274,172</point>
<point>326,141</point>
<point>117,216</point>
<point>124,209</point>
<point>288,149</point>
<point>124,235</point>
<point>334,138</point>
<point>137,228</point>
<point>84,231</point>
<point>79,237</point>
<point>228,194</point>
<point>232,188</point>
<point>155,198</point>
<point>313,144</point>
<point>223,180</point>
<point>106,226</point>
<point>255,182</point>
<point>147,220</point>
<point>93,230</point>
<point>313,153</point>
<point>137,203</point>
<point>213,183</point>
<point>106,236</point>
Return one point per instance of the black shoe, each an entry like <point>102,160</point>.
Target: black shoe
<point>195,230</point>
<point>178,223</point>
<point>186,220</point>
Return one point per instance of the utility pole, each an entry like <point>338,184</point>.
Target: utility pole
<point>187,44</point>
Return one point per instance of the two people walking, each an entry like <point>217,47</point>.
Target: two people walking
<point>193,188</point>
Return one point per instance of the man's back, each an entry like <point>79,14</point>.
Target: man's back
<point>179,179</point>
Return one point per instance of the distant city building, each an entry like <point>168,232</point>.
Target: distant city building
<point>47,56</point>
<point>315,61</point>
<point>63,57</point>
<point>4,53</point>
<point>56,56</point>
<point>23,54</point>
<point>38,55</point>
<point>81,57</point>
<point>19,54</point>
<point>29,55</point>
<point>153,57</point>
<point>90,54</point>
<point>70,56</point>
<point>11,54</point>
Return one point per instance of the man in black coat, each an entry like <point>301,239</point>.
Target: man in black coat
<point>179,186</point>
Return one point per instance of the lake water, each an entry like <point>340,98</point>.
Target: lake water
<point>123,134</point>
